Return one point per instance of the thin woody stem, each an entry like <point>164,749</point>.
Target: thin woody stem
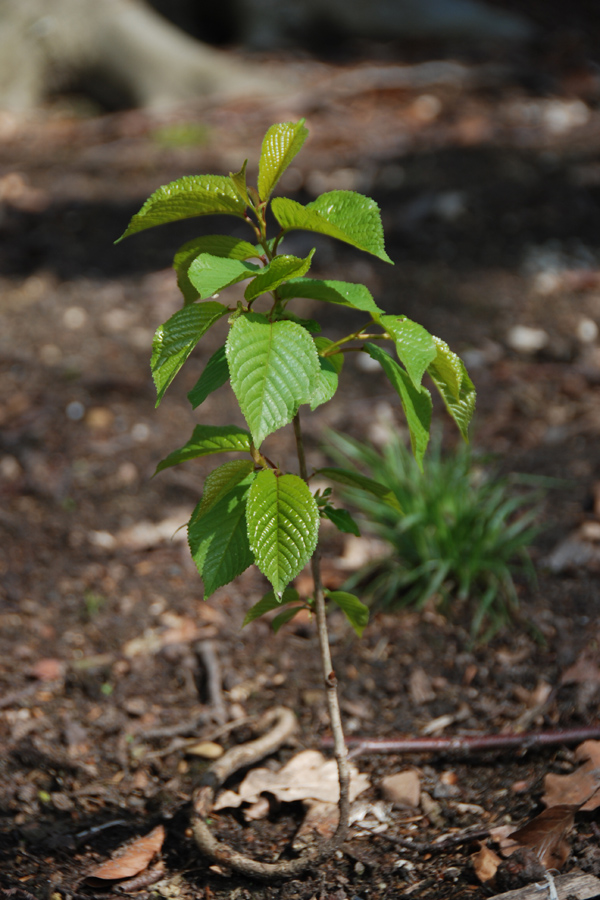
<point>339,744</point>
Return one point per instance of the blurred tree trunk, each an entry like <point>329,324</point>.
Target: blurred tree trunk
<point>122,48</point>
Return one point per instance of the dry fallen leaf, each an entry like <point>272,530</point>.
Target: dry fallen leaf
<point>485,863</point>
<point>584,670</point>
<point>320,822</point>
<point>48,669</point>
<point>307,776</point>
<point>582,787</point>
<point>133,858</point>
<point>419,686</point>
<point>545,835</point>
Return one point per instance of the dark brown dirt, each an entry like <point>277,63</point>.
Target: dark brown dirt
<point>486,205</point>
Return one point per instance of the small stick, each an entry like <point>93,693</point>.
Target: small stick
<point>144,879</point>
<point>172,731</point>
<point>181,743</point>
<point>14,698</point>
<point>212,667</point>
<point>469,743</point>
<point>448,843</point>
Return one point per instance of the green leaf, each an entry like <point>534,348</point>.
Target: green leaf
<point>220,482</point>
<point>356,480</point>
<point>215,374</point>
<point>268,602</point>
<point>310,324</point>
<point>414,345</point>
<point>207,439</point>
<point>344,215</point>
<point>239,182</point>
<point>280,145</point>
<point>450,376</point>
<point>219,540</point>
<point>217,245</point>
<point>416,401</point>
<point>274,368</point>
<point>286,616</point>
<point>327,381</point>
<point>355,611</point>
<point>342,520</point>
<point>344,293</point>
<point>210,274</point>
<point>283,526</point>
<point>192,195</point>
<point>280,269</point>
<point>175,340</point>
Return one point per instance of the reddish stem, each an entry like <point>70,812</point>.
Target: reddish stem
<point>469,743</point>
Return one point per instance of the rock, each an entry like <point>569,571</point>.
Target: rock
<point>524,339</point>
<point>403,788</point>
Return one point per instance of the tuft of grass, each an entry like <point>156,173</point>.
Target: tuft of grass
<point>182,134</point>
<point>463,534</point>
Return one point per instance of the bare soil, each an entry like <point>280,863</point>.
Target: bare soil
<point>489,193</point>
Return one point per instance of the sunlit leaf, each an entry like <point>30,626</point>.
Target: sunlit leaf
<point>331,366</point>
<point>279,270</point>
<point>344,215</point>
<point>280,145</point>
<point>416,402</point>
<point>274,367</point>
<point>283,526</point>
<point>450,376</point>
<point>192,195</point>
<point>210,274</point>
<point>344,293</point>
<point>239,182</point>
<point>215,244</point>
<point>414,345</point>
<point>175,340</point>
<point>207,439</point>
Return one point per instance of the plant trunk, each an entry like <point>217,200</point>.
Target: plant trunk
<point>329,676</point>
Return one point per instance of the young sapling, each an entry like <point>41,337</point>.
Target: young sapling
<point>251,510</point>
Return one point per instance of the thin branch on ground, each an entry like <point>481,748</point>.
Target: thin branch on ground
<point>469,743</point>
<point>214,684</point>
<point>180,743</point>
<point>449,843</point>
<point>170,731</point>
<point>15,698</point>
<point>283,724</point>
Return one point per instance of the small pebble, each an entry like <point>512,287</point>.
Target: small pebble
<point>587,331</point>
<point>524,339</point>
<point>75,411</point>
<point>452,873</point>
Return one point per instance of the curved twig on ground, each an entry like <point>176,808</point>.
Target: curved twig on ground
<point>282,724</point>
